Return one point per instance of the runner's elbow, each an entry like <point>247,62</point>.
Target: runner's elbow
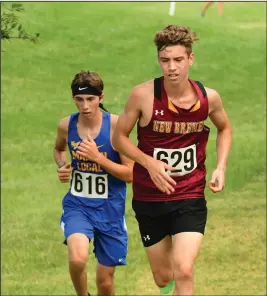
<point>116,143</point>
<point>129,177</point>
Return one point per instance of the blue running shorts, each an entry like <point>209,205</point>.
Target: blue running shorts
<point>110,238</point>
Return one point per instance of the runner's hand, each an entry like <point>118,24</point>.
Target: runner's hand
<point>88,149</point>
<point>217,181</point>
<point>157,172</point>
<point>64,173</point>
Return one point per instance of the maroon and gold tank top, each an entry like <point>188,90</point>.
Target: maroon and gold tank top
<point>178,137</point>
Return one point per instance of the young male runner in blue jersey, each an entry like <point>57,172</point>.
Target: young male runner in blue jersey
<point>94,206</point>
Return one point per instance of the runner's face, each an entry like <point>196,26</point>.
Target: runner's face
<point>175,63</point>
<point>87,104</point>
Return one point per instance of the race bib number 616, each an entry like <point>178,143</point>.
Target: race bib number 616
<point>183,159</point>
<point>89,185</point>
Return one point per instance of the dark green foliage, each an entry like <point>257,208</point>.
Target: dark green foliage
<point>10,24</point>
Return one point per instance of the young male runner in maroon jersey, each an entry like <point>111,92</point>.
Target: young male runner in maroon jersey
<point>169,172</point>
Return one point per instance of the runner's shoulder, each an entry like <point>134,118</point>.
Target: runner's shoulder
<point>64,124</point>
<point>143,89</point>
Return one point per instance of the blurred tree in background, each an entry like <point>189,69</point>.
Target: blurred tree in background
<point>10,24</point>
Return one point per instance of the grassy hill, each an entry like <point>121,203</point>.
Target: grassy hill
<point>116,40</point>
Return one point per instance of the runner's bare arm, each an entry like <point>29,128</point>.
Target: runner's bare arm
<point>220,119</point>
<point>124,160</point>
<point>60,155</point>
<point>123,171</point>
<point>64,168</point>
<point>126,122</point>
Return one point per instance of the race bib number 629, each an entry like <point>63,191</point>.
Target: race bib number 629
<point>184,160</point>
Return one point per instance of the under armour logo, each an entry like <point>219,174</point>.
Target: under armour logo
<point>147,237</point>
<point>159,112</point>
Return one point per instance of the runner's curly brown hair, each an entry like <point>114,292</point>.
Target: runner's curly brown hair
<point>175,35</point>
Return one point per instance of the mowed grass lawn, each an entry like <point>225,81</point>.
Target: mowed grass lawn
<point>116,40</point>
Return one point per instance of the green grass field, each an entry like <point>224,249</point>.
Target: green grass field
<point>116,40</point>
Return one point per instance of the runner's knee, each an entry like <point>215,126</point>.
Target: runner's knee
<point>183,271</point>
<point>105,287</point>
<point>78,259</point>
<point>105,282</point>
<point>163,277</point>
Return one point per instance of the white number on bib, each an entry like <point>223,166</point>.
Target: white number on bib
<point>89,185</point>
<point>183,159</point>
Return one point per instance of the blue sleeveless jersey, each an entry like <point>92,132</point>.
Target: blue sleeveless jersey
<point>91,187</point>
